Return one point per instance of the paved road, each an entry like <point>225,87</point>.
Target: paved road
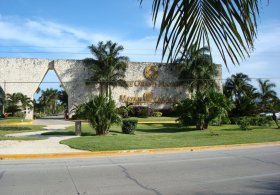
<point>238,171</point>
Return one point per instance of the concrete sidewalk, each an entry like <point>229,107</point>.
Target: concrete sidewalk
<point>49,144</point>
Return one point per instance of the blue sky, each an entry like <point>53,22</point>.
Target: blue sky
<point>62,29</point>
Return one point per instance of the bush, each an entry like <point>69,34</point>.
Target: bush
<point>141,111</point>
<point>261,121</point>
<point>169,112</point>
<point>101,112</point>
<point>123,111</point>
<point>80,112</point>
<point>244,123</point>
<point>157,114</point>
<point>129,126</point>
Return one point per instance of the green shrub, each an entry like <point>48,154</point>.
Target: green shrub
<point>141,111</point>
<point>124,111</point>
<point>129,126</point>
<point>244,123</point>
<point>261,121</point>
<point>102,113</point>
<point>157,114</point>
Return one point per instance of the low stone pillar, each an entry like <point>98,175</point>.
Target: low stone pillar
<point>78,128</point>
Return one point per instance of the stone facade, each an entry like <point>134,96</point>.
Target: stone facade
<point>150,84</point>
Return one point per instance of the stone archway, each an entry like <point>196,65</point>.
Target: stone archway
<point>24,75</point>
<point>155,86</point>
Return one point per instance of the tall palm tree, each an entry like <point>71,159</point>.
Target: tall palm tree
<point>49,99</point>
<point>238,89</point>
<point>108,67</point>
<point>232,25</point>
<point>237,86</point>
<point>266,94</point>
<point>196,69</point>
<point>26,102</point>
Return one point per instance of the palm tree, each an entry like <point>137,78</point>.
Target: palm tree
<point>49,99</point>
<point>232,25</point>
<point>237,86</point>
<point>266,94</point>
<point>196,69</point>
<point>26,102</point>
<point>238,89</point>
<point>108,67</point>
<point>17,102</point>
<point>101,112</point>
<point>203,108</point>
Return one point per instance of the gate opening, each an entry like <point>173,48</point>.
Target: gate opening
<point>50,98</point>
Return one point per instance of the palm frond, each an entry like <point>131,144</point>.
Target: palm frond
<point>231,25</point>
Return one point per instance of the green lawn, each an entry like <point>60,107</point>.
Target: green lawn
<point>14,120</point>
<point>149,136</point>
<point>7,129</point>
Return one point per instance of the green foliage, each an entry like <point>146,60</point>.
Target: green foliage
<point>261,121</point>
<point>108,68</point>
<point>232,25</point>
<point>80,112</point>
<point>129,126</point>
<point>48,102</point>
<point>125,110</point>
<point>17,102</point>
<point>196,69</point>
<point>266,95</point>
<point>101,113</point>
<point>157,114</point>
<point>244,123</point>
<point>202,109</point>
<point>239,90</point>
<point>141,111</point>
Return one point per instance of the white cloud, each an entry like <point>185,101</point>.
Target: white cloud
<point>49,36</point>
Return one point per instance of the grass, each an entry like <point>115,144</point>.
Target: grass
<point>7,129</point>
<point>149,136</point>
<point>14,120</point>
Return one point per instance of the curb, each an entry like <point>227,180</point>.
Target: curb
<point>131,152</point>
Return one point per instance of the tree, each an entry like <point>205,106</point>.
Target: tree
<point>13,103</point>
<point>238,89</point>
<point>108,68</point>
<point>203,108</point>
<point>196,69</point>
<point>18,102</point>
<point>231,25</point>
<point>101,112</point>
<point>2,100</point>
<point>63,98</point>
<point>266,95</point>
<point>26,102</point>
<point>48,100</point>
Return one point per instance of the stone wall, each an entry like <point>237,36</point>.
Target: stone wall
<point>150,84</point>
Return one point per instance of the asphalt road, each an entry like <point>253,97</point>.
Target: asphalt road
<point>238,171</point>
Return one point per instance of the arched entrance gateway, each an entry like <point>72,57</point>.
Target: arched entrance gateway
<point>149,84</point>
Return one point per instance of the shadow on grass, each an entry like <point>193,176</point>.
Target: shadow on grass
<point>14,128</point>
<point>66,133</point>
<point>164,128</point>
